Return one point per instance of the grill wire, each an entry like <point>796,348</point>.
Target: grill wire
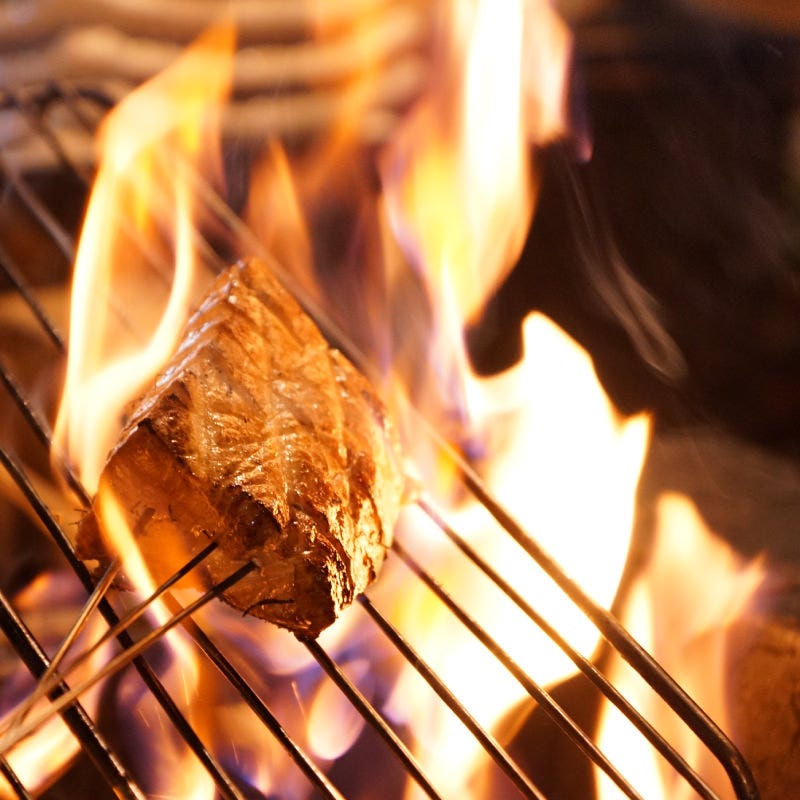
<point>30,111</point>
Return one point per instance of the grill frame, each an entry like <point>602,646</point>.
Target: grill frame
<point>31,108</point>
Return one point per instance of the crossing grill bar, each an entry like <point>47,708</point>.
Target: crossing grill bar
<point>46,208</point>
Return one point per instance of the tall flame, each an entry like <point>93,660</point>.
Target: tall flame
<point>458,176</point>
<point>460,190</point>
<point>566,465</point>
<point>130,295</point>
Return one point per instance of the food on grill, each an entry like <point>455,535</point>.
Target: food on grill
<point>262,438</point>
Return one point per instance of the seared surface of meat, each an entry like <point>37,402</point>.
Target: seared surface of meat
<point>261,437</point>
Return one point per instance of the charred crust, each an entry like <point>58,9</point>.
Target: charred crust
<point>310,499</point>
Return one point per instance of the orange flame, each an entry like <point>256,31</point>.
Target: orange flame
<point>276,213</point>
<point>566,466</point>
<point>459,193</point>
<point>458,176</point>
<point>126,313</point>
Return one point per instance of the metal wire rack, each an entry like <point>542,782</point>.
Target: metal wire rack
<point>25,413</point>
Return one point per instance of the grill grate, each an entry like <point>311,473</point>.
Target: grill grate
<point>30,113</point>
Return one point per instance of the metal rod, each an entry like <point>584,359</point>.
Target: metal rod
<point>672,756</point>
<point>113,632</point>
<point>41,427</point>
<point>70,96</point>
<point>66,243</point>
<point>74,715</point>
<point>542,697</point>
<point>526,787</point>
<point>122,659</point>
<point>13,780</point>
<point>654,674</point>
<point>38,121</point>
<point>38,424</point>
<point>376,721</point>
<point>56,231</point>
<point>22,285</point>
<point>141,608</point>
<point>51,678</point>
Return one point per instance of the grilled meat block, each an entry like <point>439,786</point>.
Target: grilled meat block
<point>262,438</point>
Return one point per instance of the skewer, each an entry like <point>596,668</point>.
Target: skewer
<point>314,774</point>
<point>51,677</point>
<point>222,780</point>
<point>74,715</point>
<point>122,659</point>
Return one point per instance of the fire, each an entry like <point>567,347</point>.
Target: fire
<point>457,194</point>
<point>459,180</point>
<point>566,466</point>
<point>680,609</point>
<point>334,725</point>
<point>460,190</point>
<point>150,144</point>
<point>460,193</point>
<point>562,440</point>
<point>137,272</point>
